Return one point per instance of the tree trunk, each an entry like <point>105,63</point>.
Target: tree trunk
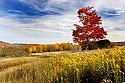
<point>86,47</point>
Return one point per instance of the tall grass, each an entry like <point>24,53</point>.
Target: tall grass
<point>74,68</point>
<point>16,62</point>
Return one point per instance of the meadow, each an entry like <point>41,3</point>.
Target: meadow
<point>67,67</point>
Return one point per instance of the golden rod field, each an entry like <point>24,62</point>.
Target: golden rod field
<point>66,67</point>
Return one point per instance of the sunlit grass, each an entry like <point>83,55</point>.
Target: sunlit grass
<point>82,67</point>
<point>15,62</point>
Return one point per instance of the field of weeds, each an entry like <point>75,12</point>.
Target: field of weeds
<point>80,67</point>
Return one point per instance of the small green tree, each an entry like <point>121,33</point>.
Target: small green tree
<point>4,52</point>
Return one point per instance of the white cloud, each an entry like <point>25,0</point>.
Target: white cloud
<point>111,14</point>
<point>116,36</point>
<point>57,6</point>
<point>110,4</point>
<point>57,28</point>
<point>15,11</point>
<point>115,27</point>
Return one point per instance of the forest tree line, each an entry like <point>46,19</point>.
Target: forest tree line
<point>39,48</point>
<point>24,50</point>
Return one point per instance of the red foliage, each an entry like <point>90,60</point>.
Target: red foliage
<point>90,31</point>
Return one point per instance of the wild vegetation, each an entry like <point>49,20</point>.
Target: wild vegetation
<point>15,51</point>
<point>82,67</point>
<point>15,62</point>
<point>25,50</point>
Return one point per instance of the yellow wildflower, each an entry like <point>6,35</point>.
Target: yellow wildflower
<point>117,66</point>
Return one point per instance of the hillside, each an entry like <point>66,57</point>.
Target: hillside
<point>3,44</point>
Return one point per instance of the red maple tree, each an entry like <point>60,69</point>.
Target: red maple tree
<point>90,31</point>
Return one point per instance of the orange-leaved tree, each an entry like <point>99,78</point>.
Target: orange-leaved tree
<point>90,31</point>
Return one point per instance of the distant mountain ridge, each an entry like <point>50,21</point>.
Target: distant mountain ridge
<point>3,44</point>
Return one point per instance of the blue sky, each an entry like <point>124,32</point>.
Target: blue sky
<point>51,21</point>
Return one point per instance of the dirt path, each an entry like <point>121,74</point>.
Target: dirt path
<point>12,59</point>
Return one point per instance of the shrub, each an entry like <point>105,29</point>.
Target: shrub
<point>3,52</point>
<point>14,51</point>
<point>103,44</point>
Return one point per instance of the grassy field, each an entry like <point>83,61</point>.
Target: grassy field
<point>65,67</point>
